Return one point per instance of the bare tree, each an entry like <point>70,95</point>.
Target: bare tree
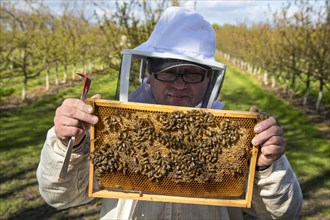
<point>22,43</point>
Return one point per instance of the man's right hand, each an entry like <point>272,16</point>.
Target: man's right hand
<point>72,118</point>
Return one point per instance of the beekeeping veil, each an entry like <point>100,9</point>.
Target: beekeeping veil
<point>180,34</point>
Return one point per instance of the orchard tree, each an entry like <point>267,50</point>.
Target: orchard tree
<point>22,53</point>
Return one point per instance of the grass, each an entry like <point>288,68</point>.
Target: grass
<point>306,148</point>
<point>23,132</point>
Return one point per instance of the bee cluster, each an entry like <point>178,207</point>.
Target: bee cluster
<point>182,147</point>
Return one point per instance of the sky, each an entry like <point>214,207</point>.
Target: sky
<point>215,11</point>
<point>234,12</point>
<point>242,11</point>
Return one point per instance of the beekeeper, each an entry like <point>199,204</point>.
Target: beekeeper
<point>184,73</point>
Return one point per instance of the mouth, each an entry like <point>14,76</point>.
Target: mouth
<point>177,97</point>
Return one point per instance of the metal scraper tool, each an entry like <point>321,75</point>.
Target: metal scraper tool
<point>84,92</point>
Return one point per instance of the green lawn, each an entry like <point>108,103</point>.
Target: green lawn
<point>23,132</point>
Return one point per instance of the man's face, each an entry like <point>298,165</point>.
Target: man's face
<point>179,92</point>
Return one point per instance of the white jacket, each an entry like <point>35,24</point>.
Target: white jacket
<point>276,194</point>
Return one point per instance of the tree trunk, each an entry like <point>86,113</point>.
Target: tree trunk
<point>24,87</point>
<point>287,82</point>
<point>273,82</point>
<point>84,65</point>
<point>56,73</point>
<point>65,76</point>
<point>47,76</point>
<point>11,64</point>
<point>306,93</point>
<point>74,69</point>
<point>25,79</point>
<point>319,98</point>
<point>265,78</point>
<point>90,66</point>
<point>293,89</point>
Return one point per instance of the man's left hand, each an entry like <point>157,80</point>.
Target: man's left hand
<point>269,136</point>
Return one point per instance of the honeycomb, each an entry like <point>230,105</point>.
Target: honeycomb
<point>168,150</point>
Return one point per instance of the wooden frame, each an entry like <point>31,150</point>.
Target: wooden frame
<point>234,202</point>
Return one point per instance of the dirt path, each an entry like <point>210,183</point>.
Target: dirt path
<point>34,94</point>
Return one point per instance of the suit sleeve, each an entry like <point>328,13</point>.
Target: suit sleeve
<point>72,190</point>
<point>277,193</point>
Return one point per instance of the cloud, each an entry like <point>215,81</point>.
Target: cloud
<point>234,12</point>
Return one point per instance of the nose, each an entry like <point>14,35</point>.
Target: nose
<point>179,83</point>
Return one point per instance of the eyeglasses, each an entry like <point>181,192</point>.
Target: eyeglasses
<point>189,74</point>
